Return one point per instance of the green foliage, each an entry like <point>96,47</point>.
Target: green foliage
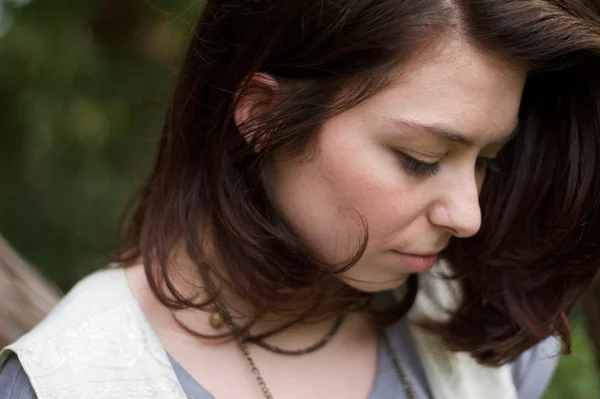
<point>83,91</point>
<point>82,99</point>
<point>576,376</point>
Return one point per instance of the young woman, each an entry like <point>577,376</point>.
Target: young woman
<point>351,199</point>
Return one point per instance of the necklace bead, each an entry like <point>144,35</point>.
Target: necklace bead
<point>216,320</point>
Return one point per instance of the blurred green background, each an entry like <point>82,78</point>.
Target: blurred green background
<point>83,91</point>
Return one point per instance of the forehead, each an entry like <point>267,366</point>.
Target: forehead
<point>457,86</point>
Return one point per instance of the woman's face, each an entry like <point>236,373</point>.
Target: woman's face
<point>410,160</point>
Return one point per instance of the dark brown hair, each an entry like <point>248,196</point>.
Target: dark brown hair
<point>539,245</point>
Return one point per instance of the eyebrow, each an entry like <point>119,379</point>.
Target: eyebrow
<point>449,134</point>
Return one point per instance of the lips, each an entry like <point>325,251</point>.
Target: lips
<point>416,263</point>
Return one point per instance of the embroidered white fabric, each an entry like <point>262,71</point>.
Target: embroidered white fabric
<point>97,344</point>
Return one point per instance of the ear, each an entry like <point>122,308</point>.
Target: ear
<point>253,100</point>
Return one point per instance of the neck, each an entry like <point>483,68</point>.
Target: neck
<point>192,322</point>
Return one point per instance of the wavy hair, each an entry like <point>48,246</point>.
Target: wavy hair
<point>539,244</point>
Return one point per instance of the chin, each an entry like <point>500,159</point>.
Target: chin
<point>373,286</point>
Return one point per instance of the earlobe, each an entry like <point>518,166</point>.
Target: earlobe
<point>253,100</point>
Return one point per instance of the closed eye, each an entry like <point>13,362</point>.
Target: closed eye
<point>421,169</point>
<point>418,168</point>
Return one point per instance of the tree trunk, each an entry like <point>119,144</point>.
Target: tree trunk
<point>25,295</point>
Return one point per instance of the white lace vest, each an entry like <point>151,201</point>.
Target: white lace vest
<point>96,343</point>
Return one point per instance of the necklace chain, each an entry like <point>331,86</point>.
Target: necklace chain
<point>261,382</point>
<point>312,348</point>
<point>216,320</point>
<point>399,369</point>
<point>388,345</point>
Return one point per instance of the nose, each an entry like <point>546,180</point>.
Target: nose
<point>457,209</point>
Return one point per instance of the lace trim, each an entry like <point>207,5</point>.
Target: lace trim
<point>112,352</point>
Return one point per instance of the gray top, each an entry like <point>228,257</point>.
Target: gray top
<point>531,372</point>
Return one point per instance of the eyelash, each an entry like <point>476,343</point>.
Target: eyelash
<point>417,168</point>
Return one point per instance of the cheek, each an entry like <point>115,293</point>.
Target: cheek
<point>368,178</point>
<point>322,205</point>
<point>323,199</point>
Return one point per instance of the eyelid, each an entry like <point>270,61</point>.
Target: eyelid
<point>413,158</point>
<point>416,167</point>
<point>419,168</point>
<point>417,159</point>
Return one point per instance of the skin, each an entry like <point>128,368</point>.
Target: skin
<point>357,169</point>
